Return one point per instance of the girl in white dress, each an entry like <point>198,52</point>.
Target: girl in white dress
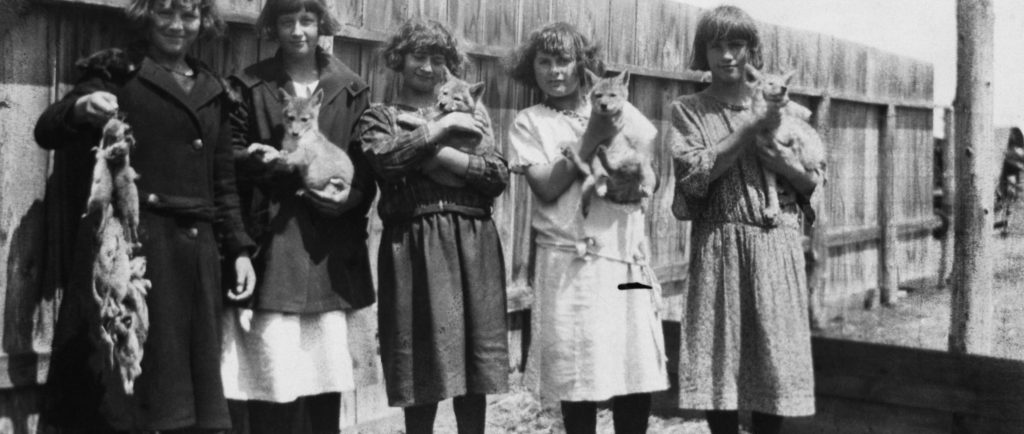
<point>593,341</point>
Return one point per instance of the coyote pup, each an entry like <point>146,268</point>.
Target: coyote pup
<point>625,152</point>
<point>453,95</point>
<point>304,146</point>
<point>793,132</point>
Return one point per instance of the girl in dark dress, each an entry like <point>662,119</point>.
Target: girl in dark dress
<point>440,270</point>
<point>178,111</point>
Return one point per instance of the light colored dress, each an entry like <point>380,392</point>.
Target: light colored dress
<point>592,340</point>
<point>745,337</point>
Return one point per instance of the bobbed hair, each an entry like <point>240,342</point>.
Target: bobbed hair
<point>140,16</point>
<point>558,39</point>
<point>725,23</point>
<point>273,9</point>
<point>423,36</point>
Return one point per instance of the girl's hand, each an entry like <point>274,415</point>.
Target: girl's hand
<point>459,121</point>
<point>410,121</point>
<point>245,279</point>
<point>331,201</point>
<point>95,108</point>
<point>264,153</point>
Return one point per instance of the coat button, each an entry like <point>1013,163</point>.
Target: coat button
<point>197,144</point>
<point>193,233</point>
<point>153,198</point>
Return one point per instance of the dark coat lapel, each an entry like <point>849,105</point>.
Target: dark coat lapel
<point>205,89</point>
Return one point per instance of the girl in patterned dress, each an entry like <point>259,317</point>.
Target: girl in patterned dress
<point>745,335</point>
<point>441,275</point>
<point>593,342</point>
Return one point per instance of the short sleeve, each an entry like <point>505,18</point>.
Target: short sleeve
<point>528,148</point>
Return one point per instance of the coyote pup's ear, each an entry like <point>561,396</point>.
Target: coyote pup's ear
<point>285,96</point>
<point>624,78</point>
<point>317,98</point>
<point>476,90</point>
<point>788,76</point>
<point>591,76</point>
<point>753,75</point>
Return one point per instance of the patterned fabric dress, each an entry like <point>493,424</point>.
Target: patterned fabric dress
<point>441,272</point>
<point>745,335</point>
<point>592,341</point>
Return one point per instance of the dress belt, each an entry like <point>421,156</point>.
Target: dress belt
<point>439,207</point>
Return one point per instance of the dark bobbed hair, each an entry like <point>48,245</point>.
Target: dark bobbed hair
<point>725,23</point>
<point>425,36</point>
<point>140,16</point>
<point>559,39</point>
<point>273,9</point>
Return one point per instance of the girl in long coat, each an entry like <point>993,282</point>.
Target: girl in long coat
<point>287,353</point>
<point>440,270</point>
<point>178,111</point>
<point>746,341</point>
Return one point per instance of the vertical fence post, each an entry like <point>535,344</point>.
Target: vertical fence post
<point>971,325</point>
<point>948,155</point>
<point>818,267</point>
<point>888,281</point>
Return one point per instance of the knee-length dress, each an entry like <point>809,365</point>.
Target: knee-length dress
<point>592,341</point>
<point>441,272</point>
<point>745,336</point>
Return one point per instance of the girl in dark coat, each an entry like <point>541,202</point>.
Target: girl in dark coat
<point>441,272</point>
<point>286,354</point>
<point>178,111</point>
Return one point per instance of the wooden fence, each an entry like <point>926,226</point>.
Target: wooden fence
<point>874,109</point>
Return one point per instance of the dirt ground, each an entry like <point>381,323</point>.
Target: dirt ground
<point>920,320</point>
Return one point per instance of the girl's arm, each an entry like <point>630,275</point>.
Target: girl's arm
<point>228,221</point>
<point>487,173</point>
<point>782,160</point>
<point>390,151</point>
<point>696,160</point>
<point>68,122</point>
<point>729,149</point>
<point>244,132</point>
<point>548,179</point>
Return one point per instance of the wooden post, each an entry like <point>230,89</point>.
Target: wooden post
<point>971,325</point>
<point>888,280</point>
<point>948,155</point>
<point>818,271</point>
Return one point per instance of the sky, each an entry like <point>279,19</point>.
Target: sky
<point>922,29</point>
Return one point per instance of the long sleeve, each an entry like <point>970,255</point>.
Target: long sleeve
<point>55,128</point>
<point>243,133</point>
<point>692,156</point>
<point>228,219</point>
<point>391,151</point>
<point>488,173</point>
<point>362,178</point>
